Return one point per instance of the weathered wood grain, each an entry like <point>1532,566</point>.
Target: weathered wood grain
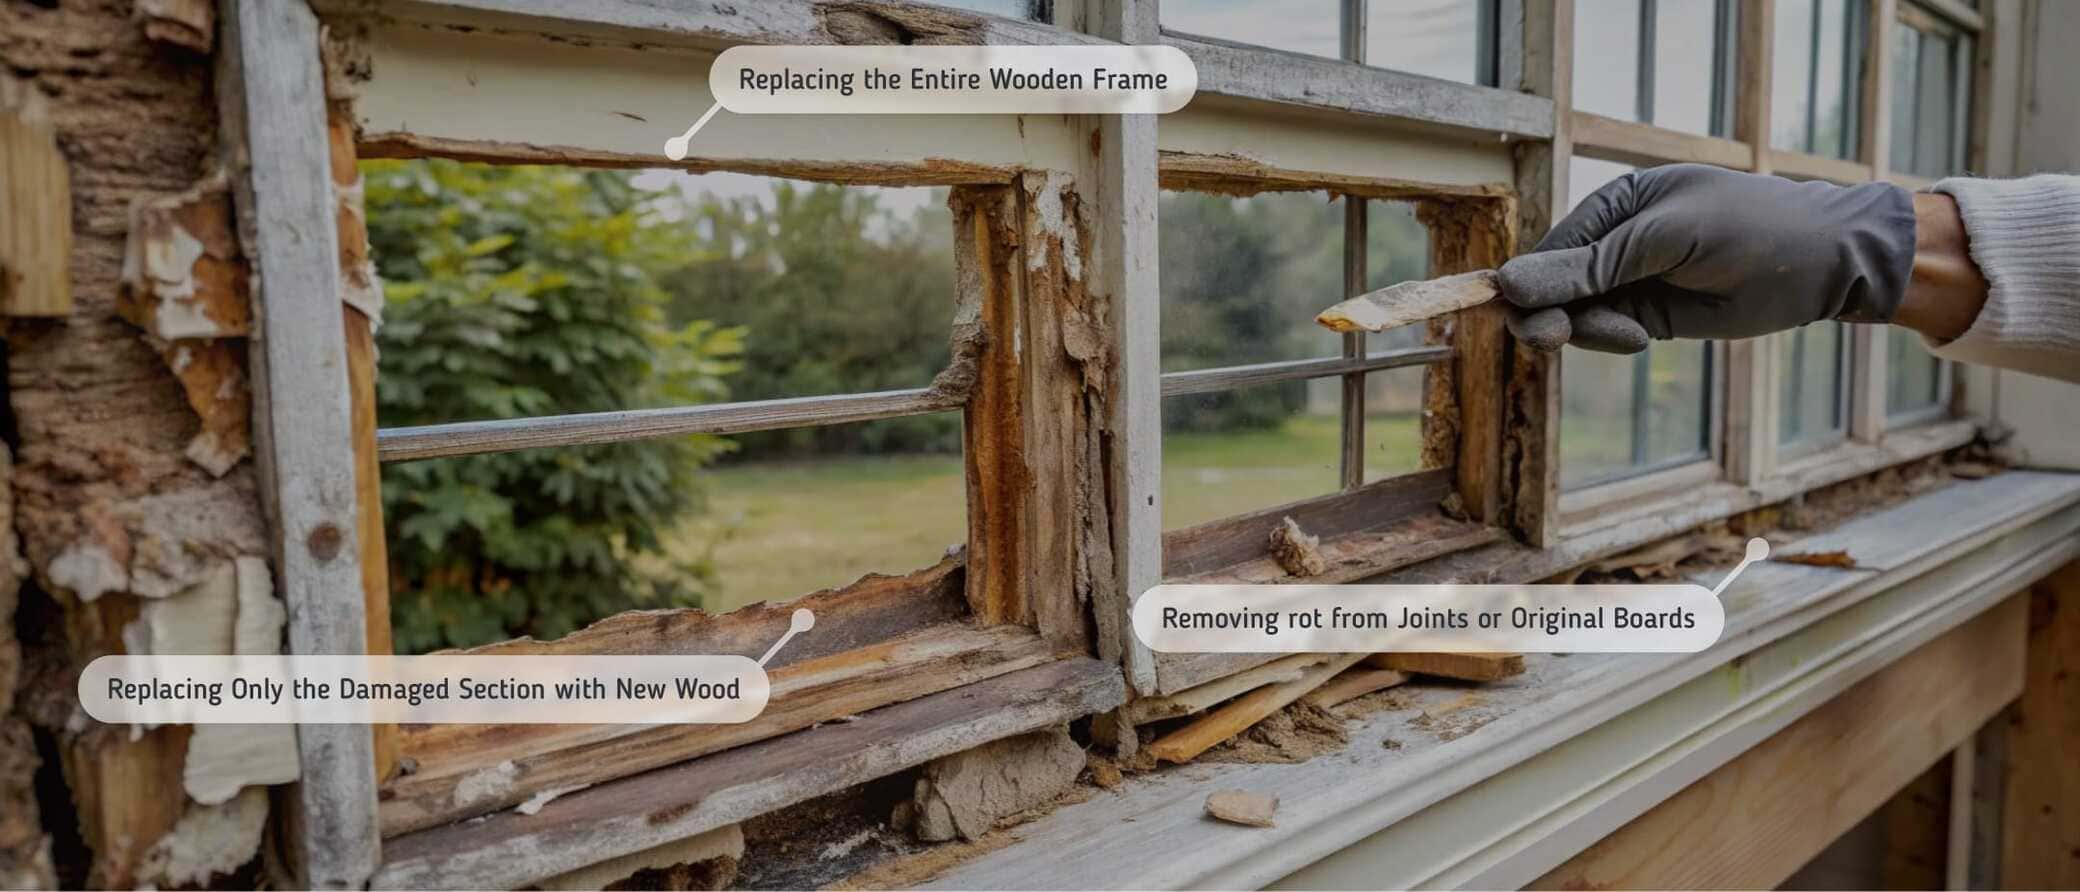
<point>1646,145</point>
<point>1186,743</point>
<point>35,207</point>
<point>1193,701</point>
<point>509,849</point>
<point>1352,684</point>
<point>1217,544</point>
<point>1757,819</point>
<point>2041,803</point>
<point>453,760</point>
<point>1465,667</point>
<point>1398,305</point>
<point>271,100</point>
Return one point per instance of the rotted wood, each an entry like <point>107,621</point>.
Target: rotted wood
<point>1461,666</point>
<point>35,207</point>
<point>358,286</point>
<point>1224,543</point>
<point>1466,239</point>
<point>1029,431</point>
<point>509,849</point>
<point>477,769</point>
<point>1186,743</point>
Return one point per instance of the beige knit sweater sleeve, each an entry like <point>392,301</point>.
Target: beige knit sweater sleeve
<point>2025,236</point>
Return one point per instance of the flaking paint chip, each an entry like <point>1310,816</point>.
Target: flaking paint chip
<point>1242,807</point>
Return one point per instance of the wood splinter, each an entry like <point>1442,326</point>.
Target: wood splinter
<point>1354,684</point>
<point>1186,743</point>
<point>1398,305</point>
<point>1464,667</point>
<point>1299,553</point>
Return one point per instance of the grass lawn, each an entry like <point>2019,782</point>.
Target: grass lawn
<point>794,527</point>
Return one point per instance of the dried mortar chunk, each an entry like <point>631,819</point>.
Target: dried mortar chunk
<point>1242,807</point>
<point>1299,553</point>
<point>967,793</point>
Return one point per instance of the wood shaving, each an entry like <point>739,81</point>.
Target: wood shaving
<point>1839,559</point>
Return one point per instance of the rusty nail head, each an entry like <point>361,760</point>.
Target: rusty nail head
<point>325,542</point>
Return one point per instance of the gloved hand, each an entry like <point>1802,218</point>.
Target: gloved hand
<point>1695,251</point>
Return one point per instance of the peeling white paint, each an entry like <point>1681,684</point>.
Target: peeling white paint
<point>486,783</point>
<point>208,840</point>
<point>260,613</point>
<point>1054,220</point>
<point>534,803</point>
<point>87,570</point>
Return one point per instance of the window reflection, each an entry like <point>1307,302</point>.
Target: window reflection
<point>1299,26</point>
<point>1913,376</point>
<point>1810,362</point>
<point>1625,415</point>
<point>1606,58</point>
<point>1435,38</point>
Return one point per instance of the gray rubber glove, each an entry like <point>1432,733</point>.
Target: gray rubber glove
<point>1695,251</point>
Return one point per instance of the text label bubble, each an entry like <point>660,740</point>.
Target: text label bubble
<point>544,689</point>
<point>952,80</point>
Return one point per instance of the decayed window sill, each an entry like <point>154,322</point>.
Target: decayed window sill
<point>1929,560</point>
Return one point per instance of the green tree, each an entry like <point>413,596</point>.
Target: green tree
<point>517,291</point>
<point>839,294</point>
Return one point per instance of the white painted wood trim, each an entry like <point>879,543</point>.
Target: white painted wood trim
<point>1125,268</point>
<point>1243,71</point>
<point>1796,628</point>
<point>1816,666</point>
<point>269,78</point>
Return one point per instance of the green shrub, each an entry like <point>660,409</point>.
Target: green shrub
<point>517,291</point>
<point>840,294</point>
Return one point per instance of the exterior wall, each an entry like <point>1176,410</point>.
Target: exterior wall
<point>126,528</point>
<point>2047,140</point>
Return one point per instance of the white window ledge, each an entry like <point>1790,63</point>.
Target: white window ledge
<point>1537,768</point>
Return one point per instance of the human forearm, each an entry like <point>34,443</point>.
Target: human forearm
<point>1946,290</point>
<point>2023,240</point>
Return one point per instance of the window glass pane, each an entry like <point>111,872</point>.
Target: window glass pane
<point>1678,405</point>
<point>1438,38</point>
<point>1961,102</point>
<point>1627,414</point>
<point>1792,59</point>
<point>1932,115</point>
<point>1913,379</point>
<point>1596,417</point>
<point>1301,26</point>
<point>515,291</point>
<point>524,290</point>
<point>1834,82</point>
<point>1397,249</point>
<point>1683,64</point>
<point>1235,451</point>
<point>1393,423</point>
<point>1906,65</point>
<point>816,508</point>
<point>1809,364</point>
<point>1243,278</point>
<point>1622,414</point>
<point>1606,58</point>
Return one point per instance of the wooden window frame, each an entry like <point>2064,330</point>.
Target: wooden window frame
<point>1750,454</point>
<point>1062,562</point>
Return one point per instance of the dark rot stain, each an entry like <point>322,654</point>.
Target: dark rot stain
<point>325,542</point>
